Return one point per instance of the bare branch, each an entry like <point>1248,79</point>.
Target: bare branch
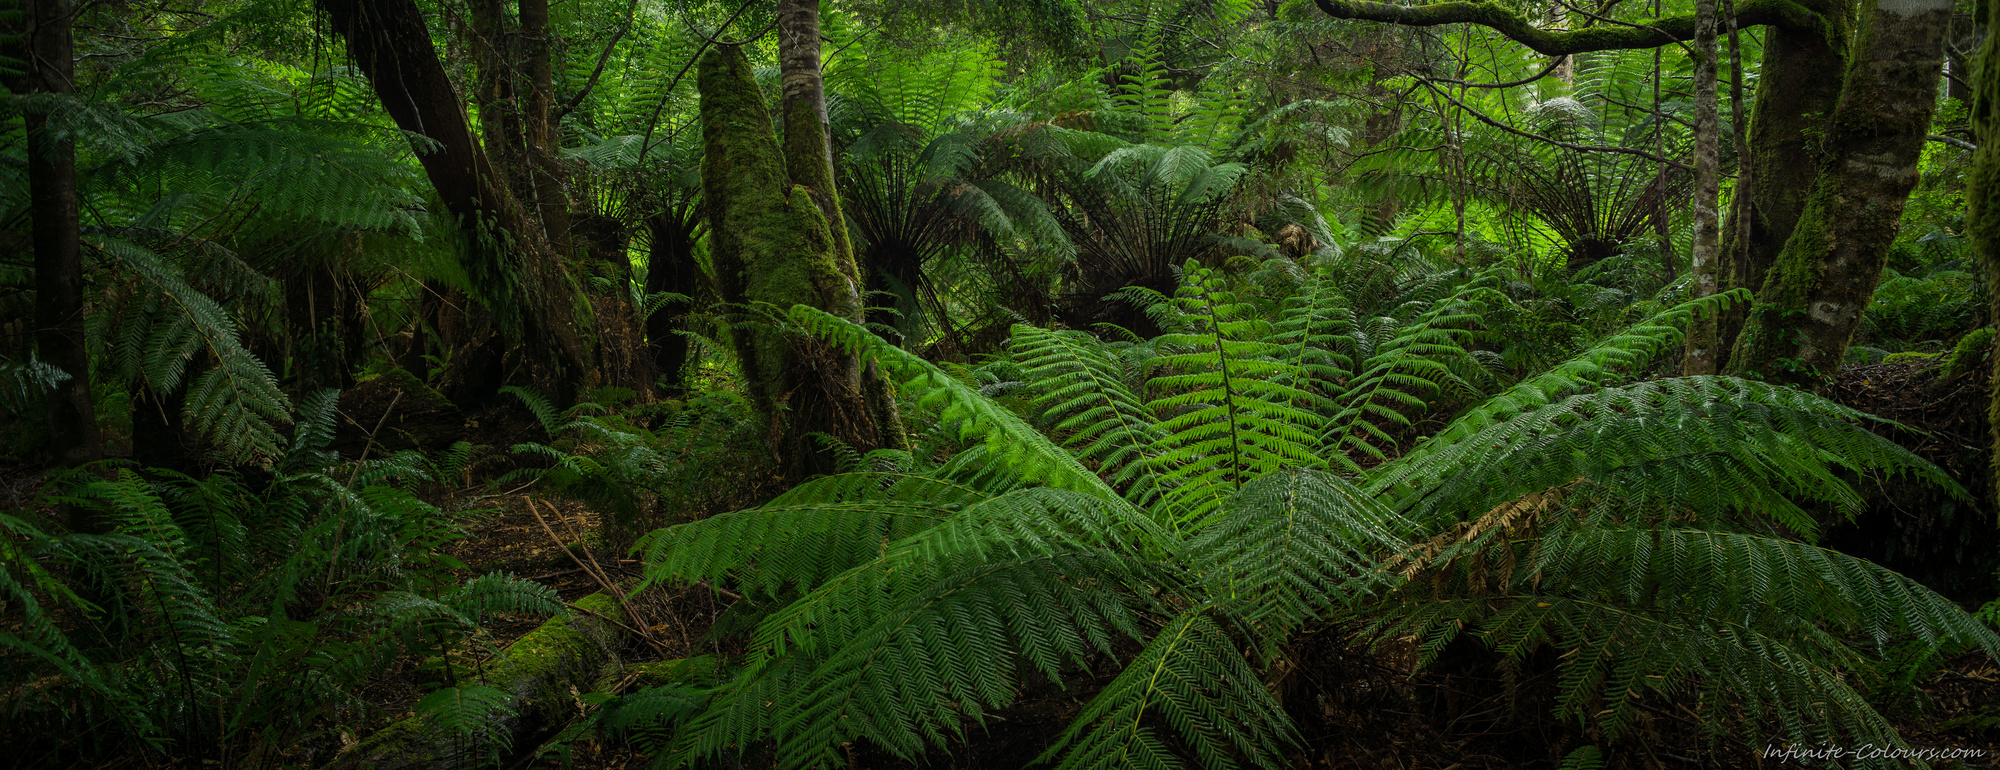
<point>1660,32</point>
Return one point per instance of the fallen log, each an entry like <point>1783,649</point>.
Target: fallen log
<point>541,674</point>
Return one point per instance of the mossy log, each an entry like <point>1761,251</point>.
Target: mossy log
<point>538,671</point>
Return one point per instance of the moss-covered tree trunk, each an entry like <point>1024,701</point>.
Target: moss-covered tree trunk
<point>809,160</point>
<point>1982,196</point>
<point>45,54</point>
<point>771,248</point>
<point>1798,86</point>
<point>1811,299</point>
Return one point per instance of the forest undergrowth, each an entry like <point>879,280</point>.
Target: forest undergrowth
<point>1142,384</point>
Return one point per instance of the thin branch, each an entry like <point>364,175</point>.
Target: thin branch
<point>646,145</point>
<point>1547,140</point>
<point>1778,13</point>
<point>1553,64</point>
<point>570,106</point>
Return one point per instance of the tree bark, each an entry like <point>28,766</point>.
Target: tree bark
<point>1703,263</point>
<point>509,260</point>
<point>47,52</point>
<point>549,193</point>
<point>1798,87</point>
<point>1982,198</point>
<point>1651,34</point>
<point>772,248</point>
<point>1811,301</point>
<point>808,150</point>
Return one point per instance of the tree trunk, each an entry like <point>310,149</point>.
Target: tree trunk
<point>1812,298</point>
<point>550,197</point>
<point>1982,199</point>
<point>772,248</point>
<point>1798,86</point>
<point>46,54</point>
<point>509,260</point>
<point>1703,262</point>
<point>808,151</point>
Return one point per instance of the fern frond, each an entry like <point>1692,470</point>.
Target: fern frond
<point>1294,547</point>
<point>1013,442</point>
<point>1192,678</point>
<point>1708,445</point>
<point>1231,401</point>
<point>472,716</point>
<point>1083,388</point>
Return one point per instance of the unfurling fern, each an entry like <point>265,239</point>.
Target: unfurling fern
<point>1190,524</point>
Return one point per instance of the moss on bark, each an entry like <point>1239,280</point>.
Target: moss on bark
<point>538,670</point>
<point>772,248</point>
<point>1812,297</point>
<point>1982,197</point>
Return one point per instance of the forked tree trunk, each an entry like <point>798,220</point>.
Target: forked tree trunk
<point>772,249</point>
<point>1798,86</point>
<point>46,53</point>
<point>808,148</point>
<point>1811,301</point>
<point>512,265</point>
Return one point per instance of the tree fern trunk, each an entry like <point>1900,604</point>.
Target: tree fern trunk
<point>1704,260</point>
<point>47,53</point>
<point>670,267</point>
<point>1811,301</point>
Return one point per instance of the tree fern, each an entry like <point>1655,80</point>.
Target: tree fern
<point>1426,358</point>
<point>1232,403</point>
<point>1641,530</point>
<point>157,334</point>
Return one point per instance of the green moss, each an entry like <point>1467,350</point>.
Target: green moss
<point>564,651</point>
<point>1969,354</point>
<point>1897,358</point>
<point>538,669</point>
<point>417,396</point>
<point>406,743</point>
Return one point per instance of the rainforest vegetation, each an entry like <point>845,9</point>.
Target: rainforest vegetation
<point>999,383</point>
